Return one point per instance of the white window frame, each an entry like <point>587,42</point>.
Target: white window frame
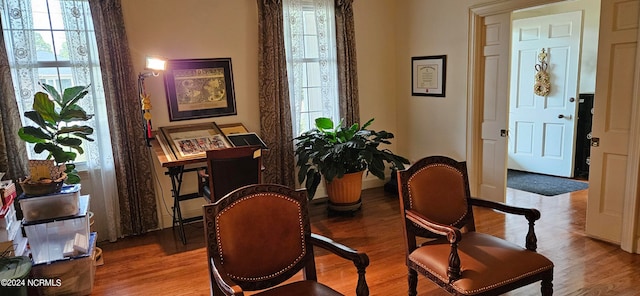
<point>312,93</point>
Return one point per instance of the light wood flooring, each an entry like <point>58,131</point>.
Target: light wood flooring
<point>158,264</point>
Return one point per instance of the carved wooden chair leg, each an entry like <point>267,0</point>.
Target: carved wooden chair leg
<point>413,282</point>
<point>547,287</point>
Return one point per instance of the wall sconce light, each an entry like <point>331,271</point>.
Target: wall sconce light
<point>154,64</point>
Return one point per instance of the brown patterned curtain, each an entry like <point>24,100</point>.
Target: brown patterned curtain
<point>13,151</point>
<point>347,66</point>
<point>275,109</point>
<point>131,157</point>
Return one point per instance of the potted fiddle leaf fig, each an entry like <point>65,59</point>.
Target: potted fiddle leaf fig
<point>58,131</point>
<point>339,153</point>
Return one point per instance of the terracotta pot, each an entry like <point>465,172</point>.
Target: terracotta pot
<point>345,190</point>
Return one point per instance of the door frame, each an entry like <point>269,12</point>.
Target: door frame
<point>630,240</point>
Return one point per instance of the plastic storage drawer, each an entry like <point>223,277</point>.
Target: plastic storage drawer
<point>56,205</point>
<point>47,238</point>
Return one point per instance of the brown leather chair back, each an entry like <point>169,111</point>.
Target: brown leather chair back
<point>260,235</point>
<point>438,189</point>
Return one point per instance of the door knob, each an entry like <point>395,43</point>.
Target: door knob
<point>564,116</point>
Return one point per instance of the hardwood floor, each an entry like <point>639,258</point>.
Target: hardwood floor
<point>158,264</point>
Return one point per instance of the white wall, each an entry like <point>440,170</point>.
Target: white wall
<point>433,125</point>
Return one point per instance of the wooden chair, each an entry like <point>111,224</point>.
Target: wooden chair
<point>228,169</point>
<point>258,236</point>
<point>436,204</point>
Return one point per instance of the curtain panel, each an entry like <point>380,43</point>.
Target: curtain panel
<point>13,152</point>
<point>133,163</point>
<point>347,65</point>
<point>275,109</point>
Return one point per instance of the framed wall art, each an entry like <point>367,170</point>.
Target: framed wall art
<point>192,141</point>
<point>428,76</point>
<point>199,88</point>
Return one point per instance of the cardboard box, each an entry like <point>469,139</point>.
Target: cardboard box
<point>75,275</point>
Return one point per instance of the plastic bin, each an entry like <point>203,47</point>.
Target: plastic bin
<point>74,275</point>
<point>47,238</point>
<point>50,206</point>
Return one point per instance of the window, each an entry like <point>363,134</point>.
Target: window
<point>53,42</point>
<point>310,44</point>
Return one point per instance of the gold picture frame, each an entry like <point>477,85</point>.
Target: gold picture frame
<point>193,140</point>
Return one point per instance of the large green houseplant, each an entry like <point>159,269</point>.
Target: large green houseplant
<point>57,131</point>
<point>335,150</point>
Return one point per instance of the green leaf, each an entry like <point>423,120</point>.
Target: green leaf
<point>80,129</point>
<point>52,92</point>
<point>324,123</point>
<point>313,180</point>
<point>74,113</point>
<point>84,136</point>
<point>68,141</point>
<point>37,118</point>
<point>72,178</point>
<point>46,107</point>
<point>73,143</point>
<point>71,95</point>
<point>33,135</point>
<point>368,123</point>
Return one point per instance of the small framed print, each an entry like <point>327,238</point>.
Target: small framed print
<point>192,141</point>
<point>233,128</point>
<point>428,76</point>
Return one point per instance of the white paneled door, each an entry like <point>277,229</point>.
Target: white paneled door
<point>494,115</point>
<point>616,84</point>
<point>542,128</point>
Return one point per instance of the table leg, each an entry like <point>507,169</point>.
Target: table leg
<point>176,173</point>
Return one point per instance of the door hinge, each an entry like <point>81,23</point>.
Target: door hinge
<point>504,133</point>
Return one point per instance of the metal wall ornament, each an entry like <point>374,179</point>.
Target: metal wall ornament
<point>542,86</point>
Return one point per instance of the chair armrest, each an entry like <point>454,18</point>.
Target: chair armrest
<point>223,281</point>
<point>360,260</point>
<point>530,214</point>
<point>452,233</point>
